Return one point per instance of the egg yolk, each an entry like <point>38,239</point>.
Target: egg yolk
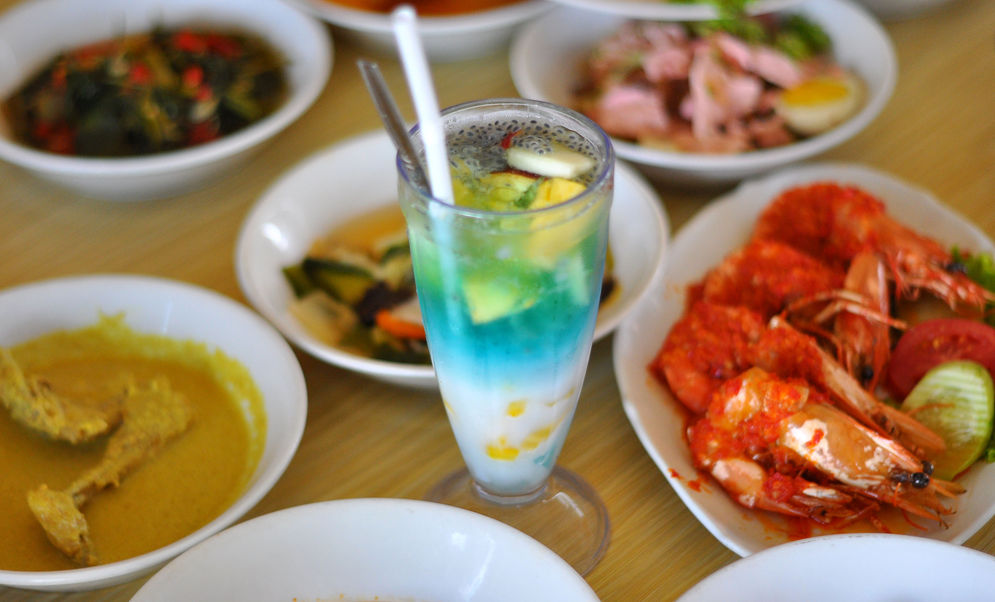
<point>816,91</point>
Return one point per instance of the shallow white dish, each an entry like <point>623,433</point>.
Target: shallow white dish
<point>391,550</point>
<point>33,32</point>
<point>358,175</point>
<point>857,568</point>
<point>670,11</point>
<point>720,227</point>
<point>545,65</point>
<point>176,310</point>
<point>445,38</point>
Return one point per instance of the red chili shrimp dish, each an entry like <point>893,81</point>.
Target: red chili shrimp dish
<point>792,360</point>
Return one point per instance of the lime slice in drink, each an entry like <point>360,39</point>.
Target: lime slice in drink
<point>956,400</point>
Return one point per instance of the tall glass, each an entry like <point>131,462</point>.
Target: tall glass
<point>509,301</point>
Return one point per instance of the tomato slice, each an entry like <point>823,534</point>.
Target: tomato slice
<point>933,342</point>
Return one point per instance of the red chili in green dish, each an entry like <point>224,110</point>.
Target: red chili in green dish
<point>147,93</point>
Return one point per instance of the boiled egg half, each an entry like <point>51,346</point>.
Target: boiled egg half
<point>817,104</point>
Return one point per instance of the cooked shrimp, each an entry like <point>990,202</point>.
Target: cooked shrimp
<point>708,345</point>
<point>865,342</point>
<point>777,444</point>
<point>836,223</point>
<point>766,276</point>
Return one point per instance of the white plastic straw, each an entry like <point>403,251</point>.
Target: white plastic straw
<point>426,106</point>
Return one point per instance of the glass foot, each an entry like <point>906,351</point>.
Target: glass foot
<point>567,515</point>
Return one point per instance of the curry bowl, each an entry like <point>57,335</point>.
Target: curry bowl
<point>455,37</point>
<point>546,64</point>
<point>301,207</point>
<point>369,549</point>
<point>34,32</point>
<point>224,350</point>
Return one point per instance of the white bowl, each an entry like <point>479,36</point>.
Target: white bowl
<point>32,33</point>
<point>369,549</point>
<point>857,568</point>
<point>546,55</point>
<point>671,10</point>
<point>358,175</point>
<point>659,420</point>
<point>181,311</point>
<point>894,10</point>
<point>445,38</point>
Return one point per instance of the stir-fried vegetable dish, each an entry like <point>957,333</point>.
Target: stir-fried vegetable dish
<point>148,93</point>
<point>355,290</point>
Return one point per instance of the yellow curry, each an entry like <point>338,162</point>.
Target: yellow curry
<point>184,485</point>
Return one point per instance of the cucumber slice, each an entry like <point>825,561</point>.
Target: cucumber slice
<point>956,400</point>
<point>550,159</point>
<point>343,281</point>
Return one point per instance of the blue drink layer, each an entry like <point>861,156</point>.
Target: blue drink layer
<point>509,325</point>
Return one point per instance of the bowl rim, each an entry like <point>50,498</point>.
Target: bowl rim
<point>299,99</point>
<point>259,483</point>
<point>373,22</point>
<point>433,516</point>
<point>751,161</point>
<point>672,11</point>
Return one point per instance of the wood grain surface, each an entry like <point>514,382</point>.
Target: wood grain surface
<point>369,439</point>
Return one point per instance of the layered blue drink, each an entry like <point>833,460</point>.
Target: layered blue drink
<point>509,279</point>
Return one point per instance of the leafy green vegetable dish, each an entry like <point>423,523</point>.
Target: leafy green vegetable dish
<point>148,93</point>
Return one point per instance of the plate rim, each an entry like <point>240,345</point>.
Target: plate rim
<point>675,11</point>
<point>373,507</point>
<point>863,542</point>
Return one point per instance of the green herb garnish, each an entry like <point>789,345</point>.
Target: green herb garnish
<point>979,267</point>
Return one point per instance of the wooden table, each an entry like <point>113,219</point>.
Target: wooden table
<point>369,439</point>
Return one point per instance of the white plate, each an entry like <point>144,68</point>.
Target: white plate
<point>369,549</point>
<point>445,38</point>
<point>670,11</point>
<point>547,54</point>
<point>182,311</point>
<point>855,568</point>
<point>720,227</point>
<point>358,175</point>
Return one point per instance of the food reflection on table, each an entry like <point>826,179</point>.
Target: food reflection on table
<point>119,443</point>
<point>726,86</point>
<point>781,351</point>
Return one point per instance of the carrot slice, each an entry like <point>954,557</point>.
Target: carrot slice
<point>399,328</point>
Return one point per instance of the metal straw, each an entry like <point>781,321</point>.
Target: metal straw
<point>392,120</point>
